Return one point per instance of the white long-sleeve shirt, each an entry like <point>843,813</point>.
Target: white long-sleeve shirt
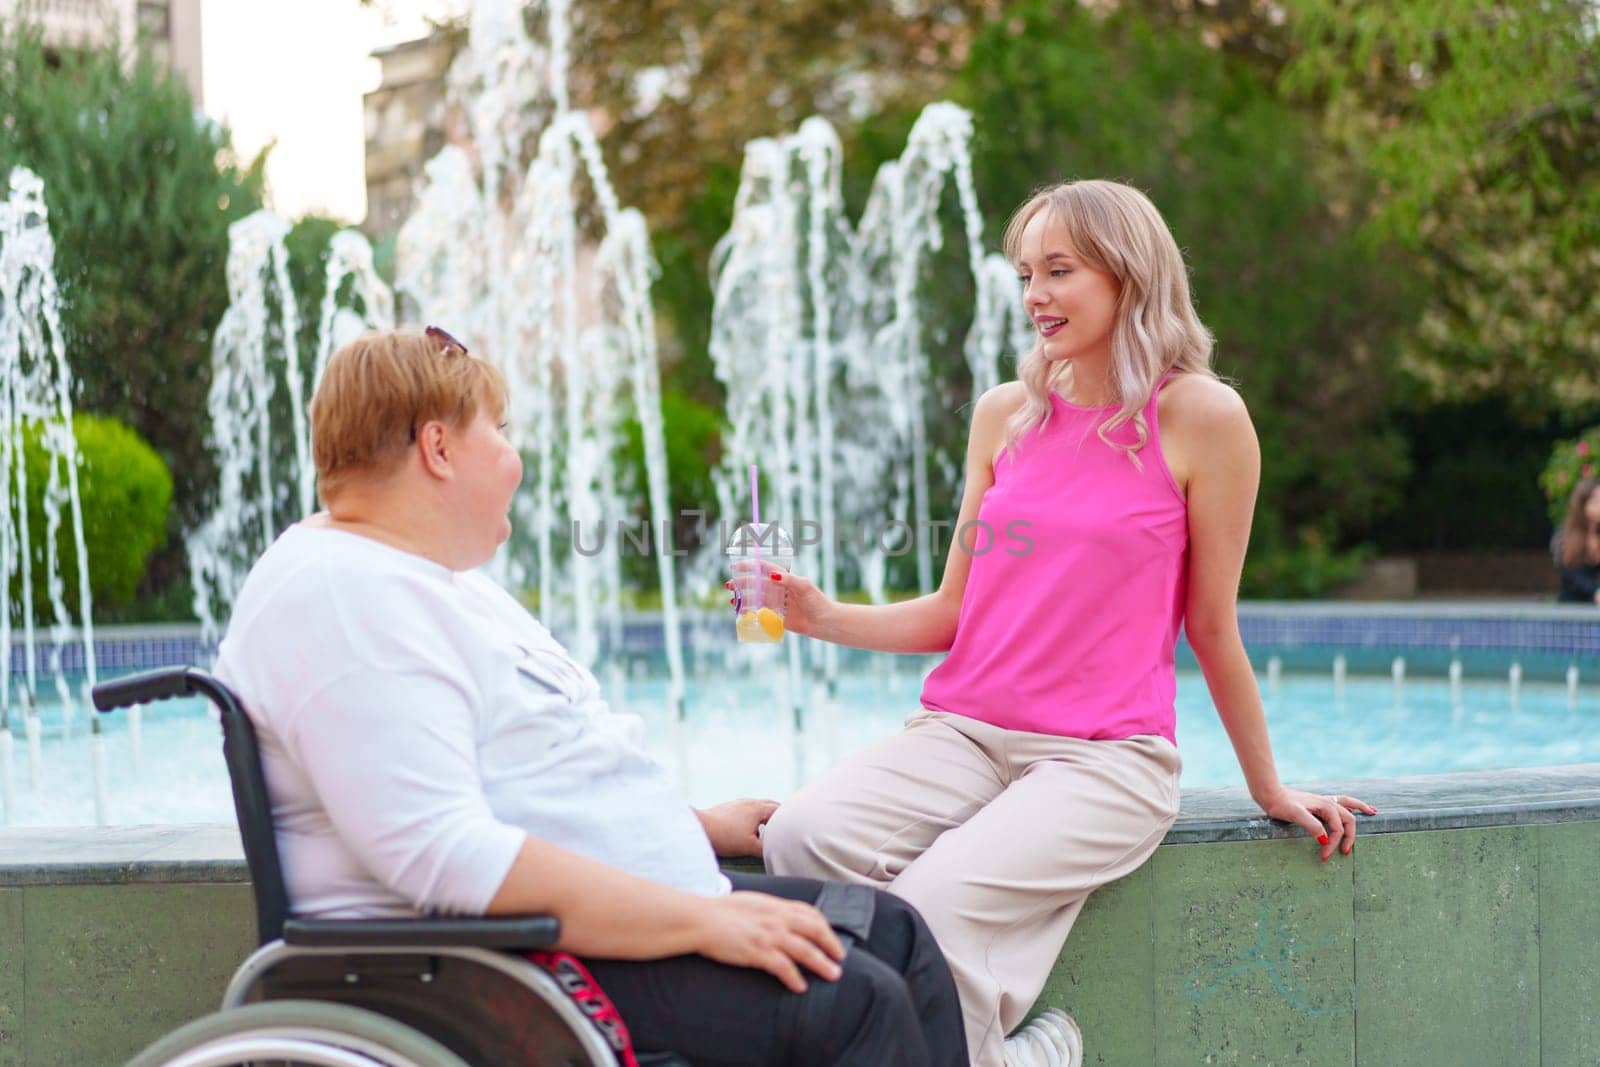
<point>415,723</point>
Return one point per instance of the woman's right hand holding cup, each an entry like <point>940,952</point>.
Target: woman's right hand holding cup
<point>795,596</point>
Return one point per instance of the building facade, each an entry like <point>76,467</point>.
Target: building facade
<point>407,122</point>
<point>170,29</point>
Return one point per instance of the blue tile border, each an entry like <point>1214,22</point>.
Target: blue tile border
<point>1569,636</point>
<point>1557,633</point>
<point>118,650</point>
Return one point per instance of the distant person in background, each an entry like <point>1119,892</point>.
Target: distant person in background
<point>1576,546</point>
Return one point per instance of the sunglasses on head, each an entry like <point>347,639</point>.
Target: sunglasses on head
<point>447,341</point>
<point>448,346</point>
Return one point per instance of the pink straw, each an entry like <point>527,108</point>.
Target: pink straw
<point>755,520</point>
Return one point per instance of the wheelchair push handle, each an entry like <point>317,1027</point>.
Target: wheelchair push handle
<point>145,687</point>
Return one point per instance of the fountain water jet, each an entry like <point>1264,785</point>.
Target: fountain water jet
<point>36,400</point>
<point>267,481</point>
<point>499,250</point>
<point>818,337</point>
<point>351,281</point>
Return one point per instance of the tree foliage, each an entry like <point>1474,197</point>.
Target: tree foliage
<point>141,190</point>
<point>1360,187</point>
<point>694,448</point>
<point>1570,462</point>
<point>686,84</point>
<point>1306,315</point>
<point>1481,122</point>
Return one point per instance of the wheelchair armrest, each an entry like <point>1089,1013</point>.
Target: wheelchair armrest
<point>522,932</point>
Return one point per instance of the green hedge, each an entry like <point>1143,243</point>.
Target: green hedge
<point>1307,571</point>
<point>126,491</point>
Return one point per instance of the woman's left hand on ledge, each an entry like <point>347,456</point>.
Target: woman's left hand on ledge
<point>1329,818</point>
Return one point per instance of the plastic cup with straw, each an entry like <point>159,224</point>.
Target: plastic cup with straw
<point>758,601</point>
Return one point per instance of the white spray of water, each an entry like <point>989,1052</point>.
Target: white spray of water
<point>36,400</point>
<point>257,334</point>
<point>351,281</point>
<point>501,252</point>
<point>266,478</point>
<point>818,336</point>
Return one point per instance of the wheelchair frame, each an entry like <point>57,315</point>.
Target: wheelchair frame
<point>455,980</point>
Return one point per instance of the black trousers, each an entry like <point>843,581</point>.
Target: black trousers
<point>895,1005</point>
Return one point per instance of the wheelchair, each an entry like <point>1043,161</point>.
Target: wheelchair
<point>424,992</point>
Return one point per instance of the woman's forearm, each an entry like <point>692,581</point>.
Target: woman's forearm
<point>923,624</point>
<point>604,912</point>
<point>1233,689</point>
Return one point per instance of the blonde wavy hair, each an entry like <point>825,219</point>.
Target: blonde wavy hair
<point>1115,228</point>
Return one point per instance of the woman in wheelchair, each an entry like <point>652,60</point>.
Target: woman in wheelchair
<point>429,748</point>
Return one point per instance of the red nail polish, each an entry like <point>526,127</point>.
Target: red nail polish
<point>776,578</point>
<point>1322,839</point>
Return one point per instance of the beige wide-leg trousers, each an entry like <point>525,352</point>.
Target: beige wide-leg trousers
<point>996,836</point>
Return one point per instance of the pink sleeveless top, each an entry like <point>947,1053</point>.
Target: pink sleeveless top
<point>1077,587</point>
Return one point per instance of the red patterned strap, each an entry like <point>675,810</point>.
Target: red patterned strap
<point>576,981</point>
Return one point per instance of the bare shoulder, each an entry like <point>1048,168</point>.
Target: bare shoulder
<point>1202,420</point>
<point>1201,396</point>
<point>1199,405</point>
<point>989,417</point>
<point>999,402</point>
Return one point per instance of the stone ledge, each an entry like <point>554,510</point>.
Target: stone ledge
<point>112,855</point>
<point>1524,796</point>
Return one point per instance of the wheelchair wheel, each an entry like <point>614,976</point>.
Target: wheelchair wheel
<point>304,1032</point>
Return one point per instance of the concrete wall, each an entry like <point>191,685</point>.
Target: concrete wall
<point>90,974</point>
<point>1433,948</point>
<point>1463,931</point>
<point>111,937</point>
<point>1441,574</point>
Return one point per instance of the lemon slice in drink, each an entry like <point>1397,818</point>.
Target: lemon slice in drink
<point>763,627</point>
<point>771,622</point>
<point>747,628</point>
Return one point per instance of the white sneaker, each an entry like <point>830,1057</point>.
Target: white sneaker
<point>1028,1048</point>
<point>1050,1039</point>
<point>1068,1037</point>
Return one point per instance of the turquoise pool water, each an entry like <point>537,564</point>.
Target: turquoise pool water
<point>738,738</point>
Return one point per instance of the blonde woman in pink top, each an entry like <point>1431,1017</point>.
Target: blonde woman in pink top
<point>1108,500</point>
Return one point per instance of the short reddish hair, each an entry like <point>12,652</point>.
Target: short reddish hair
<point>379,389</point>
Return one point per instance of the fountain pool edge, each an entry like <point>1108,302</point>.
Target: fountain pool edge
<point>1464,927</point>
